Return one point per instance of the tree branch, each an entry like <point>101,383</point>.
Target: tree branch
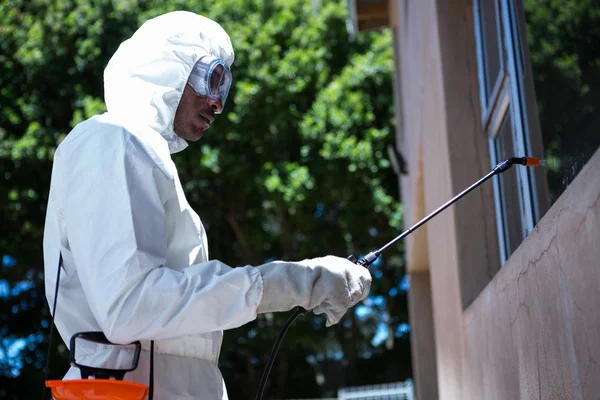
<point>249,254</point>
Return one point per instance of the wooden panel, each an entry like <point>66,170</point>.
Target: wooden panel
<point>372,15</point>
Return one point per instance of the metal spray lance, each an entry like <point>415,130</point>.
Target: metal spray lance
<point>367,260</point>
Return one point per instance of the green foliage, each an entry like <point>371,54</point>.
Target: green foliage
<point>294,168</point>
<point>563,38</point>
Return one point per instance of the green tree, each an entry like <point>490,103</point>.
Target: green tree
<point>294,168</point>
<point>563,37</point>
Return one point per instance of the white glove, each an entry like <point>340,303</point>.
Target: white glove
<point>328,285</point>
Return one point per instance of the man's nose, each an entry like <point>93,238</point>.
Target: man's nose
<point>216,105</point>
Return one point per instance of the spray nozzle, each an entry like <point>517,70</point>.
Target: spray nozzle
<point>526,161</point>
<point>531,161</point>
<point>534,162</point>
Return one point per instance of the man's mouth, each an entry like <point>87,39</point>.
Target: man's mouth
<point>206,119</point>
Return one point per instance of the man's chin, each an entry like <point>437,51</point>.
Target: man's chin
<point>194,135</point>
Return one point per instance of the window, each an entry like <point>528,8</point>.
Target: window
<point>509,118</point>
<point>563,40</point>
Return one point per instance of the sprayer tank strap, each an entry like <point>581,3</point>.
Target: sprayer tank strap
<point>60,261</point>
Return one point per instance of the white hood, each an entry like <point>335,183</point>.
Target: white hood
<point>145,78</point>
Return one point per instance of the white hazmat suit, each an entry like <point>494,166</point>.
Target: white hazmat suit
<point>135,256</point>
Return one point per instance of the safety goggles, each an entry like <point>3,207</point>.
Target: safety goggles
<point>211,77</point>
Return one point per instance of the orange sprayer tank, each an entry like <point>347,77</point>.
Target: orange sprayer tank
<point>97,389</point>
<point>98,383</point>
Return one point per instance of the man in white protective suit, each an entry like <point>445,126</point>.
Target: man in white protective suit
<point>135,259</point>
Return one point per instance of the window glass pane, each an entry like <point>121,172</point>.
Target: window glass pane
<point>491,44</point>
<point>509,188</point>
<point>565,56</point>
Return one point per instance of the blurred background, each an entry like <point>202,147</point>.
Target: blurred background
<point>296,167</point>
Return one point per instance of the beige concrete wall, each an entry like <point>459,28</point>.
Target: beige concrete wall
<point>447,151</point>
<point>415,47</point>
<point>422,336</point>
<point>468,150</point>
<point>527,330</point>
<point>534,331</point>
<point>408,136</point>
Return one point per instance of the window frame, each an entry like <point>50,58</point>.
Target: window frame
<point>509,95</point>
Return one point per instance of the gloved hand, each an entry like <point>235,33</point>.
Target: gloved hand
<point>328,285</point>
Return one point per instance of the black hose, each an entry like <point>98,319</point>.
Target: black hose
<point>263,381</point>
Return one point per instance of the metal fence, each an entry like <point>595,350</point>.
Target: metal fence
<point>388,391</point>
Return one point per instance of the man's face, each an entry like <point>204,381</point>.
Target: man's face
<point>195,114</point>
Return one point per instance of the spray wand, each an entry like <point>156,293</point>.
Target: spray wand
<point>367,260</point>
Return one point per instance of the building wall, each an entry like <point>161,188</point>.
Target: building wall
<point>528,329</point>
<point>534,330</point>
<point>413,40</point>
<point>446,151</point>
<point>422,336</point>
